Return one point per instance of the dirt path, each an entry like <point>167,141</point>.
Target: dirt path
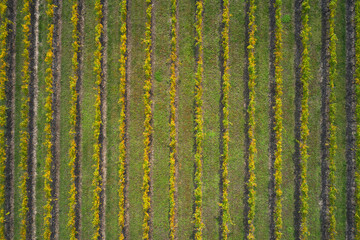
<point>350,116</point>
<point>10,123</point>
<point>55,123</point>
<point>33,106</point>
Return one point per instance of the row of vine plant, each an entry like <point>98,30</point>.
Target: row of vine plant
<point>224,204</point>
<point>24,131</point>
<point>173,132</point>
<point>278,126</point>
<point>304,116</point>
<point>122,102</point>
<point>3,80</point>
<point>148,129</point>
<point>332,128</point>
<point>73,151</point>
<point>251,182</point>
<point>97,179</point>
<point>199,134</point>
<point>49,118</point>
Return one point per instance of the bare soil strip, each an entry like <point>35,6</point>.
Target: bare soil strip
<point>33,109</point>
<point>102,136</point>
<point>350,116</point>
<point>325,123</point>
<point>78,127</point>
<point>298,97</point>
<point>10,122</point>
<point>55,123</point>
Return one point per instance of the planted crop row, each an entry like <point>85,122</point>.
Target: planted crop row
<point>251,147</point>
<point>123,113</point>
<point>148,129</point>
<point>199,134</point>
<point>304,115</point>
<point>98,123</point>
<point>332,127</point>
<point>24,125</point>
<point>173,127</point>
<point>277,126</point>
<point>225,214</point>
<point>3,80</point>
<point>73,215</point>
<point>357,114</point>
<point>49,119</point>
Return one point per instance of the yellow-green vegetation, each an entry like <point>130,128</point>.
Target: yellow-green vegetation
<point>332,128</point>
<point>225,121</point>
<point>278,126</point>
<point>97,180</point>
<point>251,183</point>
<point>148,129</point>
<point>3,79</point>
<point>24,132</point>
<point>357,84</point>
<point>304,120</point>
<point>173,132</point>
<point>122,102</point>
<point>73,151</point>
<point>199,122</point>
<point>49,117</point>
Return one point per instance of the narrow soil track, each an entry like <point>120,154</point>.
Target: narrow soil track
<point>32,127</point>
<point>350,117</point>
<point>55,123</point>
<point>103,110</point>
<point>10,122</point>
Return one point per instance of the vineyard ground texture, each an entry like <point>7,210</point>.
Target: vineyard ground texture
<point>211,98</point>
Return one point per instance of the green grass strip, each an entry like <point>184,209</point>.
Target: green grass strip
<point>122,102</point>
<point>73,123</point>
<point>3,80</point>
<point>173,127</point>
<point>24,132</point>
<point>225,214</point>
<point>332,128</point>
<point>199,122</point>
<point>148,128</point>
<point>251,184</point>
<point>304,129</point>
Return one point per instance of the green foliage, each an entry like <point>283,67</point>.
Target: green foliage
<point>173,132</point>
<point>49,118</point>
<point>304,119</point>
<point>97,179</point>
<point>332,128</point>
<point>148,128</point>
<point>122,102</point>
<point>286,18</point>
<point>73,115</point>
<point>225,122</point>
<point>278,126</point>
<point>24,125</point>
<point>251,184</point>
<point>199,134</point>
